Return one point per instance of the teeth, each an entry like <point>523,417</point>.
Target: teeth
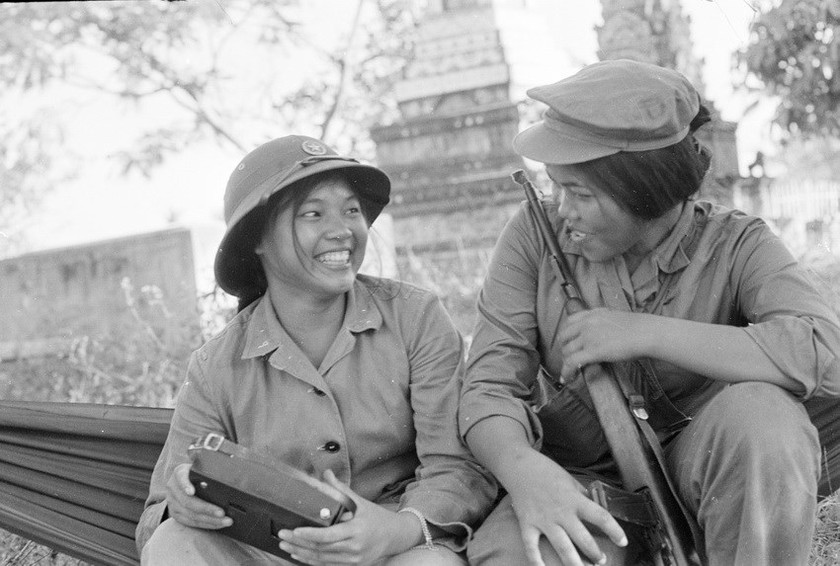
<point>337,258</point>
<point>576,236</point>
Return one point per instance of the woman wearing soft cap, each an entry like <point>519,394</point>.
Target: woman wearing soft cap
<point>734,332</point>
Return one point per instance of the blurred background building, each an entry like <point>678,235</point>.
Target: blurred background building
<point>450,153</point>
<point>458,100</point>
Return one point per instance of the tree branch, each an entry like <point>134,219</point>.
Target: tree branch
<point>343,64</point>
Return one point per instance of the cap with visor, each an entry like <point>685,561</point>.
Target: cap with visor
<point>608,107</point>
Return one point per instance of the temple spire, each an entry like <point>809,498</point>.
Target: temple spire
<point>651,31</point>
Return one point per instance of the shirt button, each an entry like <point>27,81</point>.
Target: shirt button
<point>332,446</point>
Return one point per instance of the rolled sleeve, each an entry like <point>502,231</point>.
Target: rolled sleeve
<point>799,350</point>
<point>150,519</point>
<point>789,319</point>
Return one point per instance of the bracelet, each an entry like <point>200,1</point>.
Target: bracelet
<point>427,534</point>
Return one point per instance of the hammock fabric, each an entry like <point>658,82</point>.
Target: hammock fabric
<point>74,477</point>
<point>825,414</point>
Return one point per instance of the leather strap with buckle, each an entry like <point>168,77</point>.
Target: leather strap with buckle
<point>632,507</point>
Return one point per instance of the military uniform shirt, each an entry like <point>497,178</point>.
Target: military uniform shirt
<point>380,412</point>
<point>716,266</point>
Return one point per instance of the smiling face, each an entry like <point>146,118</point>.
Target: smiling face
<point>593,219</point>
<point>316,248</point>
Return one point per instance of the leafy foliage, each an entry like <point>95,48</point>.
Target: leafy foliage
<point>795,52</point>
<point>226,67</point>
<point>196,71</point>
<point>31,161</point>
<point>811,158</point>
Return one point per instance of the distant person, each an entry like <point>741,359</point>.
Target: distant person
<point>345,376</point>
<point>733,329</point>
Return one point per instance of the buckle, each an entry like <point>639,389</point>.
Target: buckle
<point>632,506</point>
<point>637,406</point>
<point>210,441</point>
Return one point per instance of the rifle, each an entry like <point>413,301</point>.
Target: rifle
<point>669,528</point>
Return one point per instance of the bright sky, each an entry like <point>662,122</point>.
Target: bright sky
<point>544,43</point>
<point>719,28</point>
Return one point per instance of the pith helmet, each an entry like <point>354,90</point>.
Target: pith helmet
<point>272,167</point>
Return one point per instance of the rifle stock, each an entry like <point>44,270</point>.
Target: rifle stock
<point>640,471</point>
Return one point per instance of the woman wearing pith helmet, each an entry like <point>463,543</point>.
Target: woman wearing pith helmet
<point>347,377</point>
<point>731,327</point>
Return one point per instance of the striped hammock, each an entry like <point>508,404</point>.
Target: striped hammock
<point>74,477</point>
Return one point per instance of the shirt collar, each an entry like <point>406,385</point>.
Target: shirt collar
<point>670,255</point>
<point>264,333</point>
<point>362,312</point>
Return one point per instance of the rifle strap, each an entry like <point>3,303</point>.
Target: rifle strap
<point>636,404</point>
<point>663,414</point>
<point>217,443</point>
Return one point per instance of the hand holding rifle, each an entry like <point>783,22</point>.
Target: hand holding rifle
<point>602,335</point>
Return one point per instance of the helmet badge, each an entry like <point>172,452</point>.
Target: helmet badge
<point>313,147</point>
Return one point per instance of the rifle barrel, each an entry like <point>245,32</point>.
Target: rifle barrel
<point>558,259</point>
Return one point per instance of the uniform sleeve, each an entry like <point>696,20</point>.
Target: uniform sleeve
<point>194,416</point>
<point>789,319</point>
<point>451,489</point>
<point>503,359</point>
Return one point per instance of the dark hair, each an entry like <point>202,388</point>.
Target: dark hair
<point>254,225</point>
<point>649,183</point>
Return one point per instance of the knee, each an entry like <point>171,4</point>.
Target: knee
<point>761,412</point>
<point>161,546</point>
<point>495,537</point>
<point>440,556</point>
<point>498,542</point>
<point>763,422</point>
<point>174,544</point>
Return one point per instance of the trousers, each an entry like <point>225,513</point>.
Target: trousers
<point>173,544</point>
<point>746,466</point>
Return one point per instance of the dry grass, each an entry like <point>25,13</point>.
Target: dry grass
<point>825,549</point>
<point>17,551</point>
